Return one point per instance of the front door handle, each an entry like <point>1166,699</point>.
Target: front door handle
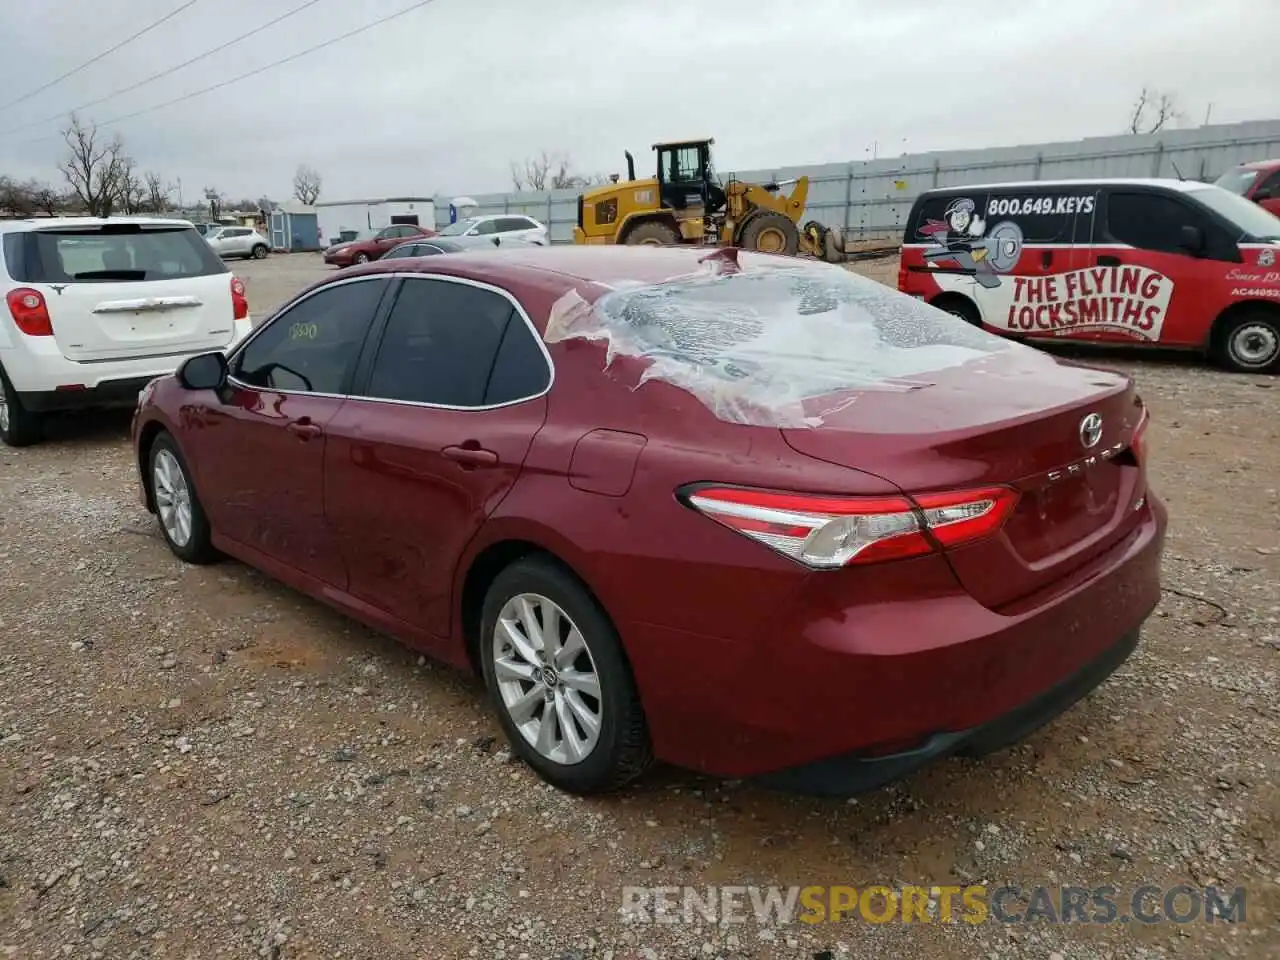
<point>1105,260</point>
<point>303,428</point>
<point>470,456</point>
<point>1046,258</point>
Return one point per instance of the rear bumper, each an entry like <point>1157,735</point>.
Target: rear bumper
<point>899,664</point>
<point>857,773</point>
<point>45,380</point>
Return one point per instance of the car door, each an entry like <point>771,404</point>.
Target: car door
<point>485,228</point>
<point>387,238</point>
<point>1142,282</point>
<point>447,408</point>
<point>262,442</point>
<point>1267,193</point>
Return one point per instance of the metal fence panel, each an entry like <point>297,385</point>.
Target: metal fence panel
<point>871,199</point>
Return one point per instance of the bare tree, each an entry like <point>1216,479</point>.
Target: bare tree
<point>157,192</point>
<point>92,166</point>
<point>1153,111</point>
<point>550,171</point>
<point>15,198</point>
<point>306,184</point>
<point>131,189</point>
<point>44,197</point>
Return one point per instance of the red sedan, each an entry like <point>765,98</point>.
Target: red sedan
<point>754,516</point>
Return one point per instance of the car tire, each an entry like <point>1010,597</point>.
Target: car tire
<point>1249,341</point>
<point>360,258</point>
<point>607,744</point>
<point>961,307</point>
<point>172,487</point>
<point>260,252</point>
<point>19,427</point>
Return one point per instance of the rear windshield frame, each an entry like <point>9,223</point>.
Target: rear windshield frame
<point>27,253</point>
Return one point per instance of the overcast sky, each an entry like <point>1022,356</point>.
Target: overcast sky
<point>441,100</point>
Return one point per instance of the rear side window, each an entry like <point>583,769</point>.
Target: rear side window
<point>443,343</point>
<point>312,346</point>
<point>115,253</point>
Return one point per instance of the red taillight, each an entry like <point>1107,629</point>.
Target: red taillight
<point>902,271</point>
<point>30,312</point>
<point>239,302</point>
<point>826,532</point>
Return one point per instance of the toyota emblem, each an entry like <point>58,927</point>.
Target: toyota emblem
<point>1090,431</point>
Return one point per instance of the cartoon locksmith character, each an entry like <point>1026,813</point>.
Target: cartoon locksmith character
<point>959,236</point>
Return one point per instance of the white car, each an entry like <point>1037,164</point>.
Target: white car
<point>499,225</point>
<point>95,309</point>
<point>238,242</point>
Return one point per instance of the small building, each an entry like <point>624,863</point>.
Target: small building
<point>295,227</point>
<point>346,219</point>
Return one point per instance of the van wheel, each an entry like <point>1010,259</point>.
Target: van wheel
<point>19,427</point>
<point>961,307</point>
<point>1249,342</point>
<point>559,680</point>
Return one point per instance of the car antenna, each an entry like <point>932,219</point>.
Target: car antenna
<point>1174,164</point>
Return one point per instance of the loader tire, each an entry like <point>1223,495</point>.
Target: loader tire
<point>834,247</point>
<point>770,233</point>
<point>655,233</point>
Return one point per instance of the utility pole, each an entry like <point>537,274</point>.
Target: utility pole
<point>1207,110</point>
<point>180,208</point>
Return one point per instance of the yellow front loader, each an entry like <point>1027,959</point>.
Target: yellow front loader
<point>686,203</point>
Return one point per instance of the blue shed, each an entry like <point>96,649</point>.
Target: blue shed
<point>295,227</point>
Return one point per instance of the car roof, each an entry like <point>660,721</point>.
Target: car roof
<point>1259,165</point>
<point>566,264</point>
<point>44,223</point>
<point>1165,182</point>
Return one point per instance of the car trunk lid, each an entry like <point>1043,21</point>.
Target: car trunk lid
<point>1015,418</point>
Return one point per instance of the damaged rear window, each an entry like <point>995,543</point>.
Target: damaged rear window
<point>774,345</point>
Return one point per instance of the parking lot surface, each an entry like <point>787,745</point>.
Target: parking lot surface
<point>200,763</point>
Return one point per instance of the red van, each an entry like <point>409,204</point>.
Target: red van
<point>1259,182</point>
<point>1150,262</point>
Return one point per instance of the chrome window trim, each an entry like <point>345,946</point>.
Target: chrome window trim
<point>465,281</point>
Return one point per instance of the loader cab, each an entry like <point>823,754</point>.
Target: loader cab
<point>686,177</point>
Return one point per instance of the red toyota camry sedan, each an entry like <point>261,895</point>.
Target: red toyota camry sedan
<point>754,516</point>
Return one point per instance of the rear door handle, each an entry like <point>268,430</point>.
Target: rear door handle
<point>303,428</point>
<point>1046,258</point>
<point>470,456</point>
<point>1104,260</point>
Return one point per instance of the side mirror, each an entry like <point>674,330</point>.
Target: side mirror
<point>1263,193</point>
<point>1191,239</point>
<point>205,371</point>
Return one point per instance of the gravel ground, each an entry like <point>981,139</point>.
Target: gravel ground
<point>200,763</point>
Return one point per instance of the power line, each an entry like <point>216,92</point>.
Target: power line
<point>252,73</point>
<point>105,53</point>
<point>165,73</point>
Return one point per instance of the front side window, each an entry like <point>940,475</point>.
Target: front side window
<point>446,343</point>
<point>459,228</point>
<point>486,227</point>
<point>1149,221</point>
<point>312,346</point>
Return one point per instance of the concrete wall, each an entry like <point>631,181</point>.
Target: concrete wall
<point>871,200</point>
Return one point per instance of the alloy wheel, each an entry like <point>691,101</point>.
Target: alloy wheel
<point>547,679</point>
<point>172,496</point>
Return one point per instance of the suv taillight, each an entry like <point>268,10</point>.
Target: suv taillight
<point>239,302</point>
<point>30,312</point>
<point>826,532</point>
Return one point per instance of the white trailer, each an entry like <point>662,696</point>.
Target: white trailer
<point>361,217</point>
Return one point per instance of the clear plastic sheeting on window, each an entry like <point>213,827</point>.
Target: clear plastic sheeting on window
<point>769,345</point>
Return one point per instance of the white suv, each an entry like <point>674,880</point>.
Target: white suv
<point>238,242</point>
<point>502,225</point>
<point>95,309</point>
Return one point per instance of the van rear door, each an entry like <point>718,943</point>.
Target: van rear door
<point>125,290</point>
